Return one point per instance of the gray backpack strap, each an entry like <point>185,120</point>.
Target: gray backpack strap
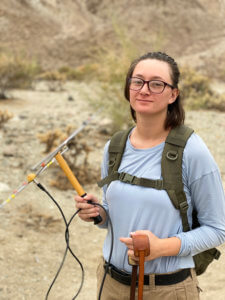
<point>116,148</point>
<point>172,169</point>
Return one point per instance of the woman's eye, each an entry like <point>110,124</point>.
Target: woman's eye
<point>156,84</point>
<point>137,82</point>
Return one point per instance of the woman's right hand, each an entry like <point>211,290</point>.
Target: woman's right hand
<point>87,211</point>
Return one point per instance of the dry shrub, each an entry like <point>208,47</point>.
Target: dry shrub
<point>54,79</point>
<point>197,92</point>
<point>82,72</point>
<point>15,72</point>
<point>77,157</point>
<point>4,117</point>
<point>51,139</point>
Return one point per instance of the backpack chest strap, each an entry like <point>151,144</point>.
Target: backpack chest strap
<point>144,182</point>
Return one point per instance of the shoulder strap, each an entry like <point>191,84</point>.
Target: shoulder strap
<point>116,149</point>
<point>172,169</point>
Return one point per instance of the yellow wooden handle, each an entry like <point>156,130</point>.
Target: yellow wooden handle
<point>64,166</point>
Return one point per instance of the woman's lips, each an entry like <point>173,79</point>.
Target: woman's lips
<point>144,100</point>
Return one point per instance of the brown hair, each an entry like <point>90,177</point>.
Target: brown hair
<point>176,114</point>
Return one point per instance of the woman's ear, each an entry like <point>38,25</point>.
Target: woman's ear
<point>174,95</point>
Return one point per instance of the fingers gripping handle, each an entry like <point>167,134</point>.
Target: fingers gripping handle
<point>141,243</point>
<point>73,180</point>
<point>141,250</point>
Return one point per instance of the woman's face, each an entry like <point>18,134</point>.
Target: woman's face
<point>146,102</point>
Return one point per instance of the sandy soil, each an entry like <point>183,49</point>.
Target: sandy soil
<point>32,230</point>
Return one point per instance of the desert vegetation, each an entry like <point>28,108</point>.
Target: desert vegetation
<point>5,115</point>
<point>197,92</point>
<point>77,158</point>
<point>54,80</point>
<point>16,72</point>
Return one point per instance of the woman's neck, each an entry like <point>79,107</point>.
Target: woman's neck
<point>149,132</point>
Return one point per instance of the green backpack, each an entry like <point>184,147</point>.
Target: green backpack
<point>171,168</point>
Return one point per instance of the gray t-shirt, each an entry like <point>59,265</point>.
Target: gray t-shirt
<point>134,208</point>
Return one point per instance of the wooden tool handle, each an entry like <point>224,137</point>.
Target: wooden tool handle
<point>141,249</point>
<point>141,243</point>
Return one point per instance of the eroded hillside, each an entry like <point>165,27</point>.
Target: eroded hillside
<point>59,33</point>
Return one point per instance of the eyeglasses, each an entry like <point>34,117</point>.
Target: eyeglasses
<point>154,86</point>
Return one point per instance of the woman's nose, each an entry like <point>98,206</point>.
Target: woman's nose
<point>145,88</point>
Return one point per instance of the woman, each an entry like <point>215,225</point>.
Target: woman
<point>152,91</point>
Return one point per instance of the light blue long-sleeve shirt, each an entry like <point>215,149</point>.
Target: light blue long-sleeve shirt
<point>134,208</point>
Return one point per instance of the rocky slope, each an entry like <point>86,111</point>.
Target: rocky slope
<point>59,33</point>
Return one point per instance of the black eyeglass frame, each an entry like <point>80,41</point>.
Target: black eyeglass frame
<point>147,81</point>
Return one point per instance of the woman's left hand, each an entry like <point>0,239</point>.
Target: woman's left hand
<point>154,242</point>
<point>158,247</point>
